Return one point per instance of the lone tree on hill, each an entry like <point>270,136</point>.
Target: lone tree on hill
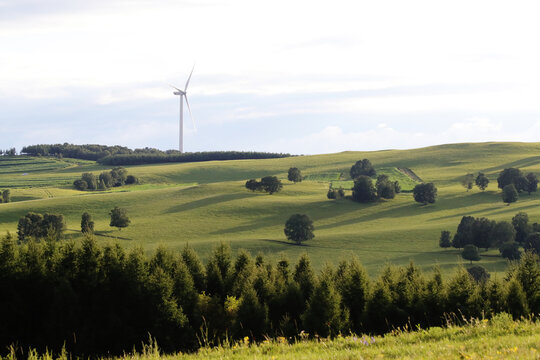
<point>363,190</point>
<point>467,181</point>
<point>87,225</point>
<point>470,252</point>
<point>509,194</point>
<point>425,193</point>
<point>482,181</point>
<point>299,228</point>
<point>271,184</point>
<point>294,175</point>
<point>362,167</point>
<point>119,218</point>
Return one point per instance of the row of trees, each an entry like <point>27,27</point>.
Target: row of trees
<point>106,300</point>
<point>35,226</point>
<point>85,152</point>
<point>168,157</point>
<point>508,237</point>
<point>8,152</point>
<point>121,155</point>
<point>116,177</point>
<point>5,196</point>
<point>38,226</point>
<point>365,191</point>
<point>481,181</point>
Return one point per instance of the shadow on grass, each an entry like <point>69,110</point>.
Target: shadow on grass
<point>103,234</point>
<point>532,160</point>
<point>208,201</point>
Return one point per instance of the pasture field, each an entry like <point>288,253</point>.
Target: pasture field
<point>205,203</point>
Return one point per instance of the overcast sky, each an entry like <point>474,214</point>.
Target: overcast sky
<point>293,76</point>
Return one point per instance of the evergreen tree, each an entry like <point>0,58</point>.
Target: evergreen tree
<point>195,267</point>
<point>516,300</point>
<point>323,315</point>
<point>252,316</point>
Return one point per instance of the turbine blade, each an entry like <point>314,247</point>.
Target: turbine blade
<point>190,114</point>
<point>189,78</point>
<point>174,87</point>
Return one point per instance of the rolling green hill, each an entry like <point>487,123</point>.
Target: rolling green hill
<point>204,203</point>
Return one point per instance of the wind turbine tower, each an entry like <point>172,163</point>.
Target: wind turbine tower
<point>183,97</point>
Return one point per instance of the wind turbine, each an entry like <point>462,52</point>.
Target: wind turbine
<point>183,96</point>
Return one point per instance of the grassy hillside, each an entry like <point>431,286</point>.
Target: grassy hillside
<point>204,203</point>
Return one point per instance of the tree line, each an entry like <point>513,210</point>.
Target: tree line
<point>118,176</point>
<point>364,190</point>
<point>8,152</point>
<point>121,155</point>
<point>175,157</point>
<point>474,233</point>
<point>84,152</point>
<point>104,300</point>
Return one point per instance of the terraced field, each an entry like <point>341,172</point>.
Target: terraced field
<point>205,203</point>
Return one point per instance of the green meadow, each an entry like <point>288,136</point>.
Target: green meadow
<point>205,203</point>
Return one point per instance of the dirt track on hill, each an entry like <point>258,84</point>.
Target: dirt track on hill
<point>410,173</point>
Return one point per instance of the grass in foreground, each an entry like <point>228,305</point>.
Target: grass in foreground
<point>498,338</point>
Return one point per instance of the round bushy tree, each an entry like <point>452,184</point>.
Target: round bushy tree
<point>362,167</point>
<point>509,194</point>
<point>425,193</point>
<point>271,184</point>
<point>80,184</point>
<point>119,218</point>
<point>299,228</point>
<point>482,181</point>
<point>294,175</point>
<point>470,252</point>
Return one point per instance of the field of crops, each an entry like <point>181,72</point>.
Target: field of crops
<point>205,203</point>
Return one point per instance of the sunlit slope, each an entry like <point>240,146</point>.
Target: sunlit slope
<point>203,203</point>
